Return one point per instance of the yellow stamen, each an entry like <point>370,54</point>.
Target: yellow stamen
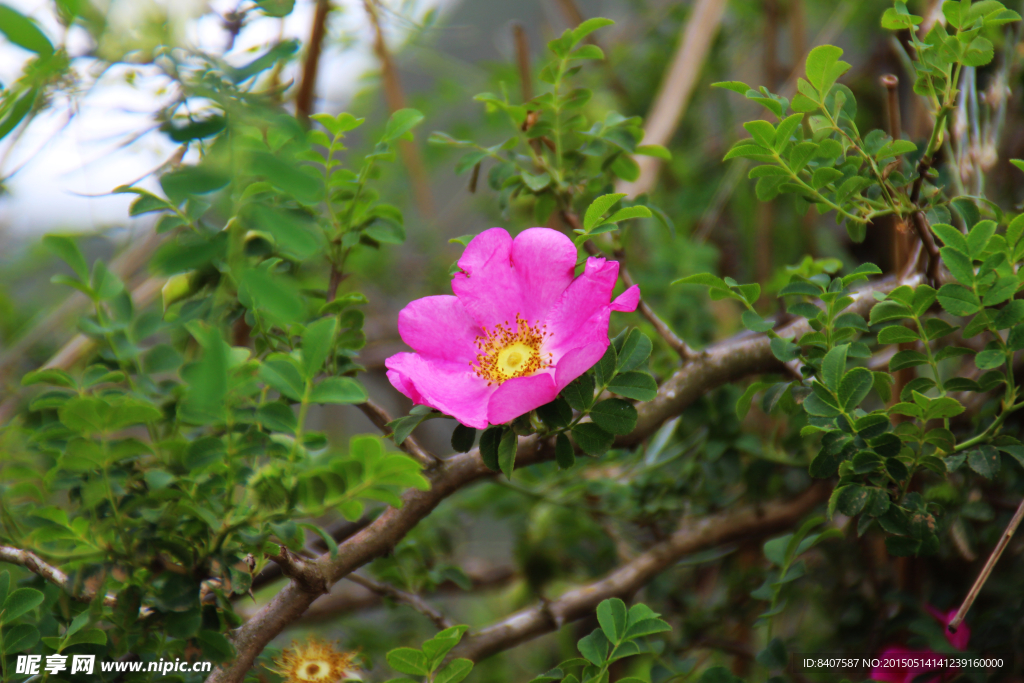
<point>510,351</point>
<point>316,662</point>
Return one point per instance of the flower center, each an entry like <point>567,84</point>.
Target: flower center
<point>315,671</point>
<point>510,351</point>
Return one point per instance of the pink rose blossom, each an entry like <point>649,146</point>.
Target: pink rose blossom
<point>910,674</point>
<point>518,330</point>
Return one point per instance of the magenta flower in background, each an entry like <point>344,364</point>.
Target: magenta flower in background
<point>908,674</point>
<point>518,330</point>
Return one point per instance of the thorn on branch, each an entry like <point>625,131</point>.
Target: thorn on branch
<point>304,572</point>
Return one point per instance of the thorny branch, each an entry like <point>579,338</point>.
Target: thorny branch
<point>725,362</point>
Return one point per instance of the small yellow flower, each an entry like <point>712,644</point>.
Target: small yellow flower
<point>317,662</point>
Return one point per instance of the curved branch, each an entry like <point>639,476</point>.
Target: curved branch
<point>724,362</point>
<point>34,564</point>
<point>693,536</point>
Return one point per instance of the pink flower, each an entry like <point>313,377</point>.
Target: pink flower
<point>909,674</point>
<point>519,328</point>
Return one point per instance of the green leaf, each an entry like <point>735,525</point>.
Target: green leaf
<point>959,265</point>
<point>273,295</point>
<point>647,627</point>
<point>614,415</point>
<point>489,447</point>
<point>627,213</point>
<point>536,183</point>
<point>316,344</point>
<point>276,8</point>
<point>463,438</point>
<point>507,452</point>
<point>92,636</point>
<point>67,250</point>
<point>20,602</point>
<point>957,300</point>
<point>736,86</point>
<point>636,385</point>
<point>897,334</point>
<point>656,151</point>
<point>611,615</point>
<point>951,237</point>
<point>579,394</point>
<point>24,32</point>
<point>762,131</point>
<point>408,660</point>
<point>786,128</point>
<point>824,67</point>
<point>833,366</point>
<point>19,637</point>
<point>855,387</point>
<point>984,461</point>
<point>594,647</point>
<point>589,26</point>
<point>598,208</point>
<point>343,390</point>
<point>456,670</point>
<point>755,323</point>
<point>401,122</point>
<point>979,236</point>
<point>636,349</point>
<point>564,455</point>
<point>281,374</point>
<point>592,439</point>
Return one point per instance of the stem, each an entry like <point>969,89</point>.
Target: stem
<point>987,569</point>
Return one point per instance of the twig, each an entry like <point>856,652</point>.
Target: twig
<point>660,326</point>
<point>972,595</point>
<point>694,536</point>
<point>681,348</point>
<point>396,100</point>
<point>724,362</point>
<point>335,604</point>
<point>675,89</point>
<point>891,84</point>
<point>311,65</point>
<point>924,233</point>
<point>523,60</point>
<point>34,564</point>
<point>411,599</point>
<point>380,419</point>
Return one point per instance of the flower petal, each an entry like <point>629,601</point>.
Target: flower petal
<point>588,294</point>
<point>628,300</point>
<point>449,386</point>
<point>487,287</point>
<point>577,361</point>
<point>439,327</point>
<point>520,395</point>
<point>544,261</point>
